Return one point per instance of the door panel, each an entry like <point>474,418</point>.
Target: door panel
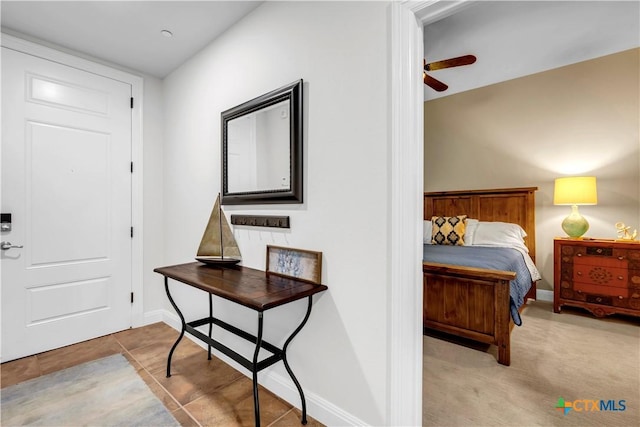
<point>66,95</point>
<point>66,180</point>
<point>55,301</point>
<point>79,164</point>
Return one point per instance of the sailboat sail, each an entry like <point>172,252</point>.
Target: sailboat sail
<point>218,241</point>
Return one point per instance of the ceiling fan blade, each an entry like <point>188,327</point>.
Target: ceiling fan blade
<point>433,83</point>
<point>448,63</point>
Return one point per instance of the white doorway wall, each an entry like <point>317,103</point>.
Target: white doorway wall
<point>407,145</point>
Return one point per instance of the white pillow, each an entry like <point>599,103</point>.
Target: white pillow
<point>470,231</point>
<point>426,232</point>
<point>499,234</point>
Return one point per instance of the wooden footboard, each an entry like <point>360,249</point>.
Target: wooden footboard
<point>469,302</point>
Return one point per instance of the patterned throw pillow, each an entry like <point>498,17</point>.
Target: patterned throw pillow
<point>448,230</point>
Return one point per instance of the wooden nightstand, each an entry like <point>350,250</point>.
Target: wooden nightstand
<point>602,276</point>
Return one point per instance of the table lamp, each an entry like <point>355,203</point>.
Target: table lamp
<point>574,191</point>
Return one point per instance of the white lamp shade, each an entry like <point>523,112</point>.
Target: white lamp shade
<point>575,190</point>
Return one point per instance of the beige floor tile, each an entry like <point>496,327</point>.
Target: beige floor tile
<point>233,406</point>
<point>294,418</point>
<point>150,334</point>
<point>154,356</point>
<point>16,371</point>
<point>184,418</point>
<point>194,376</point>
<point>65,357</point>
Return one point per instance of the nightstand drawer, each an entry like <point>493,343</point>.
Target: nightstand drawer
<point>613,262</point>
<point>589,288</point>
<point>601,276</point>
<point>597,299</point>
<point>598,251</point>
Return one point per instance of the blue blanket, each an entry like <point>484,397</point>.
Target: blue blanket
<point>494,258</point>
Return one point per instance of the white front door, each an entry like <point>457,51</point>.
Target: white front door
<point>66,181</point>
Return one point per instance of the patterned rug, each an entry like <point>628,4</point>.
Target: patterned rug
<point>104,392</point>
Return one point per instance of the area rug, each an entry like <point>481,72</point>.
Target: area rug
<point>104,392</point>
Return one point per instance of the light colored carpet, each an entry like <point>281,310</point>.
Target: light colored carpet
<point>568,355</point>
<point>104,392</point>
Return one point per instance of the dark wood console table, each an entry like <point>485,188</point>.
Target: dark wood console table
<point>253,289</point>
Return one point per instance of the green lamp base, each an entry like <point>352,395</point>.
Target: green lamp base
<point>575,225</point>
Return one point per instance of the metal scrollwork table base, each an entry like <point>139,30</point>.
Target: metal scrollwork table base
<point>253,289</point>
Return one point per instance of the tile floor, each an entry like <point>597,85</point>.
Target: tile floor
<point>200,392</point>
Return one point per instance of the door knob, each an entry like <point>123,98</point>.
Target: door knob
<point>7,245</point>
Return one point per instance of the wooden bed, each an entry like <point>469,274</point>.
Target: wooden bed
<point>471,302</point>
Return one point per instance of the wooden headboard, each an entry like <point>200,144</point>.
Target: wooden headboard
<point>515,205</point>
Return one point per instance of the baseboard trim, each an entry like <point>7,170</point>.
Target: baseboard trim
<point>317,407</point>
<point>154,316</point>
<point>544,295</point>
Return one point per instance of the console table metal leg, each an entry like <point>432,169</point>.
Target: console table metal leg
<point>210,325</point>
<point>184,325</point>
<point>288,368</point>
<point>256,403</point>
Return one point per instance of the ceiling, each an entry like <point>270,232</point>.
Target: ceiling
<point>516,38</point>
<point>127,33</point>
<point>510,38</point>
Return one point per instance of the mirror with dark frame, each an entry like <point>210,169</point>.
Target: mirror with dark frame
<point>262,149</point>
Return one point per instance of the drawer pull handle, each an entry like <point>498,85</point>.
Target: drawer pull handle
<point>579,255</point>
<point>599,251</point>
<point>620,277</point>
<point>579,292</point>
<point>579,273</point>
<point>620,297</point>
<point>620,258</point>
<point>599,299</point>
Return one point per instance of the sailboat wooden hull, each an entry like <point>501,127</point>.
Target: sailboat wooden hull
<point>217,260</point>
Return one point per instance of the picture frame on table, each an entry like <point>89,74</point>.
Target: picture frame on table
<point>301,264</point>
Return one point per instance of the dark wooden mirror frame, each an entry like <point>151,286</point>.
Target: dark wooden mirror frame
<point>293,93</point>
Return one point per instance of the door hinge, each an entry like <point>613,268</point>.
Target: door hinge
<point>132,232</point>
<point>132,102</point>
<point>131,297</point>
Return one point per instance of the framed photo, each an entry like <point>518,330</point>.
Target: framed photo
<point>299,263</point>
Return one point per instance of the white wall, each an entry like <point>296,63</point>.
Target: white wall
<point>338,48</point>
<point>152,176</point>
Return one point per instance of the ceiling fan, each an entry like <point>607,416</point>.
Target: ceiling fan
<point>438,65</point>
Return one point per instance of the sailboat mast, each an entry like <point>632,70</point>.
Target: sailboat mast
<point>221,233</point>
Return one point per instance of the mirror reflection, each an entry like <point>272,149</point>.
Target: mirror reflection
<point>258,150</point>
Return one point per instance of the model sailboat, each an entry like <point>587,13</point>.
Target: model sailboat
<point>218,246</point>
